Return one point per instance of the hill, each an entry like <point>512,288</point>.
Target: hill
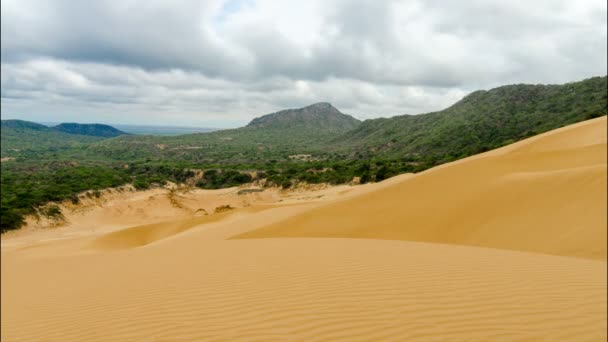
<point>271,136</point>
<point>481,121</point>
<point>21,124</point>
<point>95,130</point>
<point>545,194</point>
<point>28,139</point>
<point>320,115</point>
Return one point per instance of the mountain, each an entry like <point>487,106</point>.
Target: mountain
<point>320,115</point>
<point>268,137</point>
<point>479,122</point>
<point>95,130</point>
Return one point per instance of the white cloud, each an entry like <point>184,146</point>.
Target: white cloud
<point>201,62</point>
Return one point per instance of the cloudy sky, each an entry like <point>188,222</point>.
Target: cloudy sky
<point>220,63</point>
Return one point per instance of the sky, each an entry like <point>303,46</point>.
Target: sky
<point>220,63</point>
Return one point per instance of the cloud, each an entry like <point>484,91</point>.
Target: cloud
<point>227,61</point>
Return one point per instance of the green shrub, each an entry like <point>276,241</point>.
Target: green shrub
<point>10,219</point>
<point>286,184</point>
<point>141,184</point>
<point>52,211</point>
<point>365,178</point>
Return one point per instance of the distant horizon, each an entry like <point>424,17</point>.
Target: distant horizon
<point>114,124</point>
<point>47,123</point>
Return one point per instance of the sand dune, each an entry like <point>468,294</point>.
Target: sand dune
<point>192,289</point>
<point>139,268</point>
<point>546,194</point>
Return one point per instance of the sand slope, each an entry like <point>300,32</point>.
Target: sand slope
<point>186,280</point>
<point>546,194</point>
<point>304,289</point>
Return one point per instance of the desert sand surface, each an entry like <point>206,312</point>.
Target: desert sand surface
<point>505,246</point>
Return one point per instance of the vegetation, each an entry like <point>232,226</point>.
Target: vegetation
<point>315,144</point>
<point>28,139</point>
<point>481,121</point>
<point>270,137</point>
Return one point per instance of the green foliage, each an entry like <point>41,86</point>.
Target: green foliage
<point>365,178</point>
<point>10,218</point>
<point>286,184</point>
<point>481,121</point>
<point>52,211</point>
<point>26,142</point>
<point>217,179</point>
<point>141,183</point>
<point>385,172</point>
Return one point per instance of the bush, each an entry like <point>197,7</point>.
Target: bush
<point>10,219</point>
<point>52,211</point>
<point>365,178</point>
<point>384,172</point>
<point>141,184</point>
<point>213,179</point>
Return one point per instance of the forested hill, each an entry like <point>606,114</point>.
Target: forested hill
<point>21,124</point>
<point>481,121</point>
<point>95,130</point>
<point>22,138</point>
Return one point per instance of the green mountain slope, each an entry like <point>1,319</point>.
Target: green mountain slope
<point>96,130</point>
<point>481,121</point>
